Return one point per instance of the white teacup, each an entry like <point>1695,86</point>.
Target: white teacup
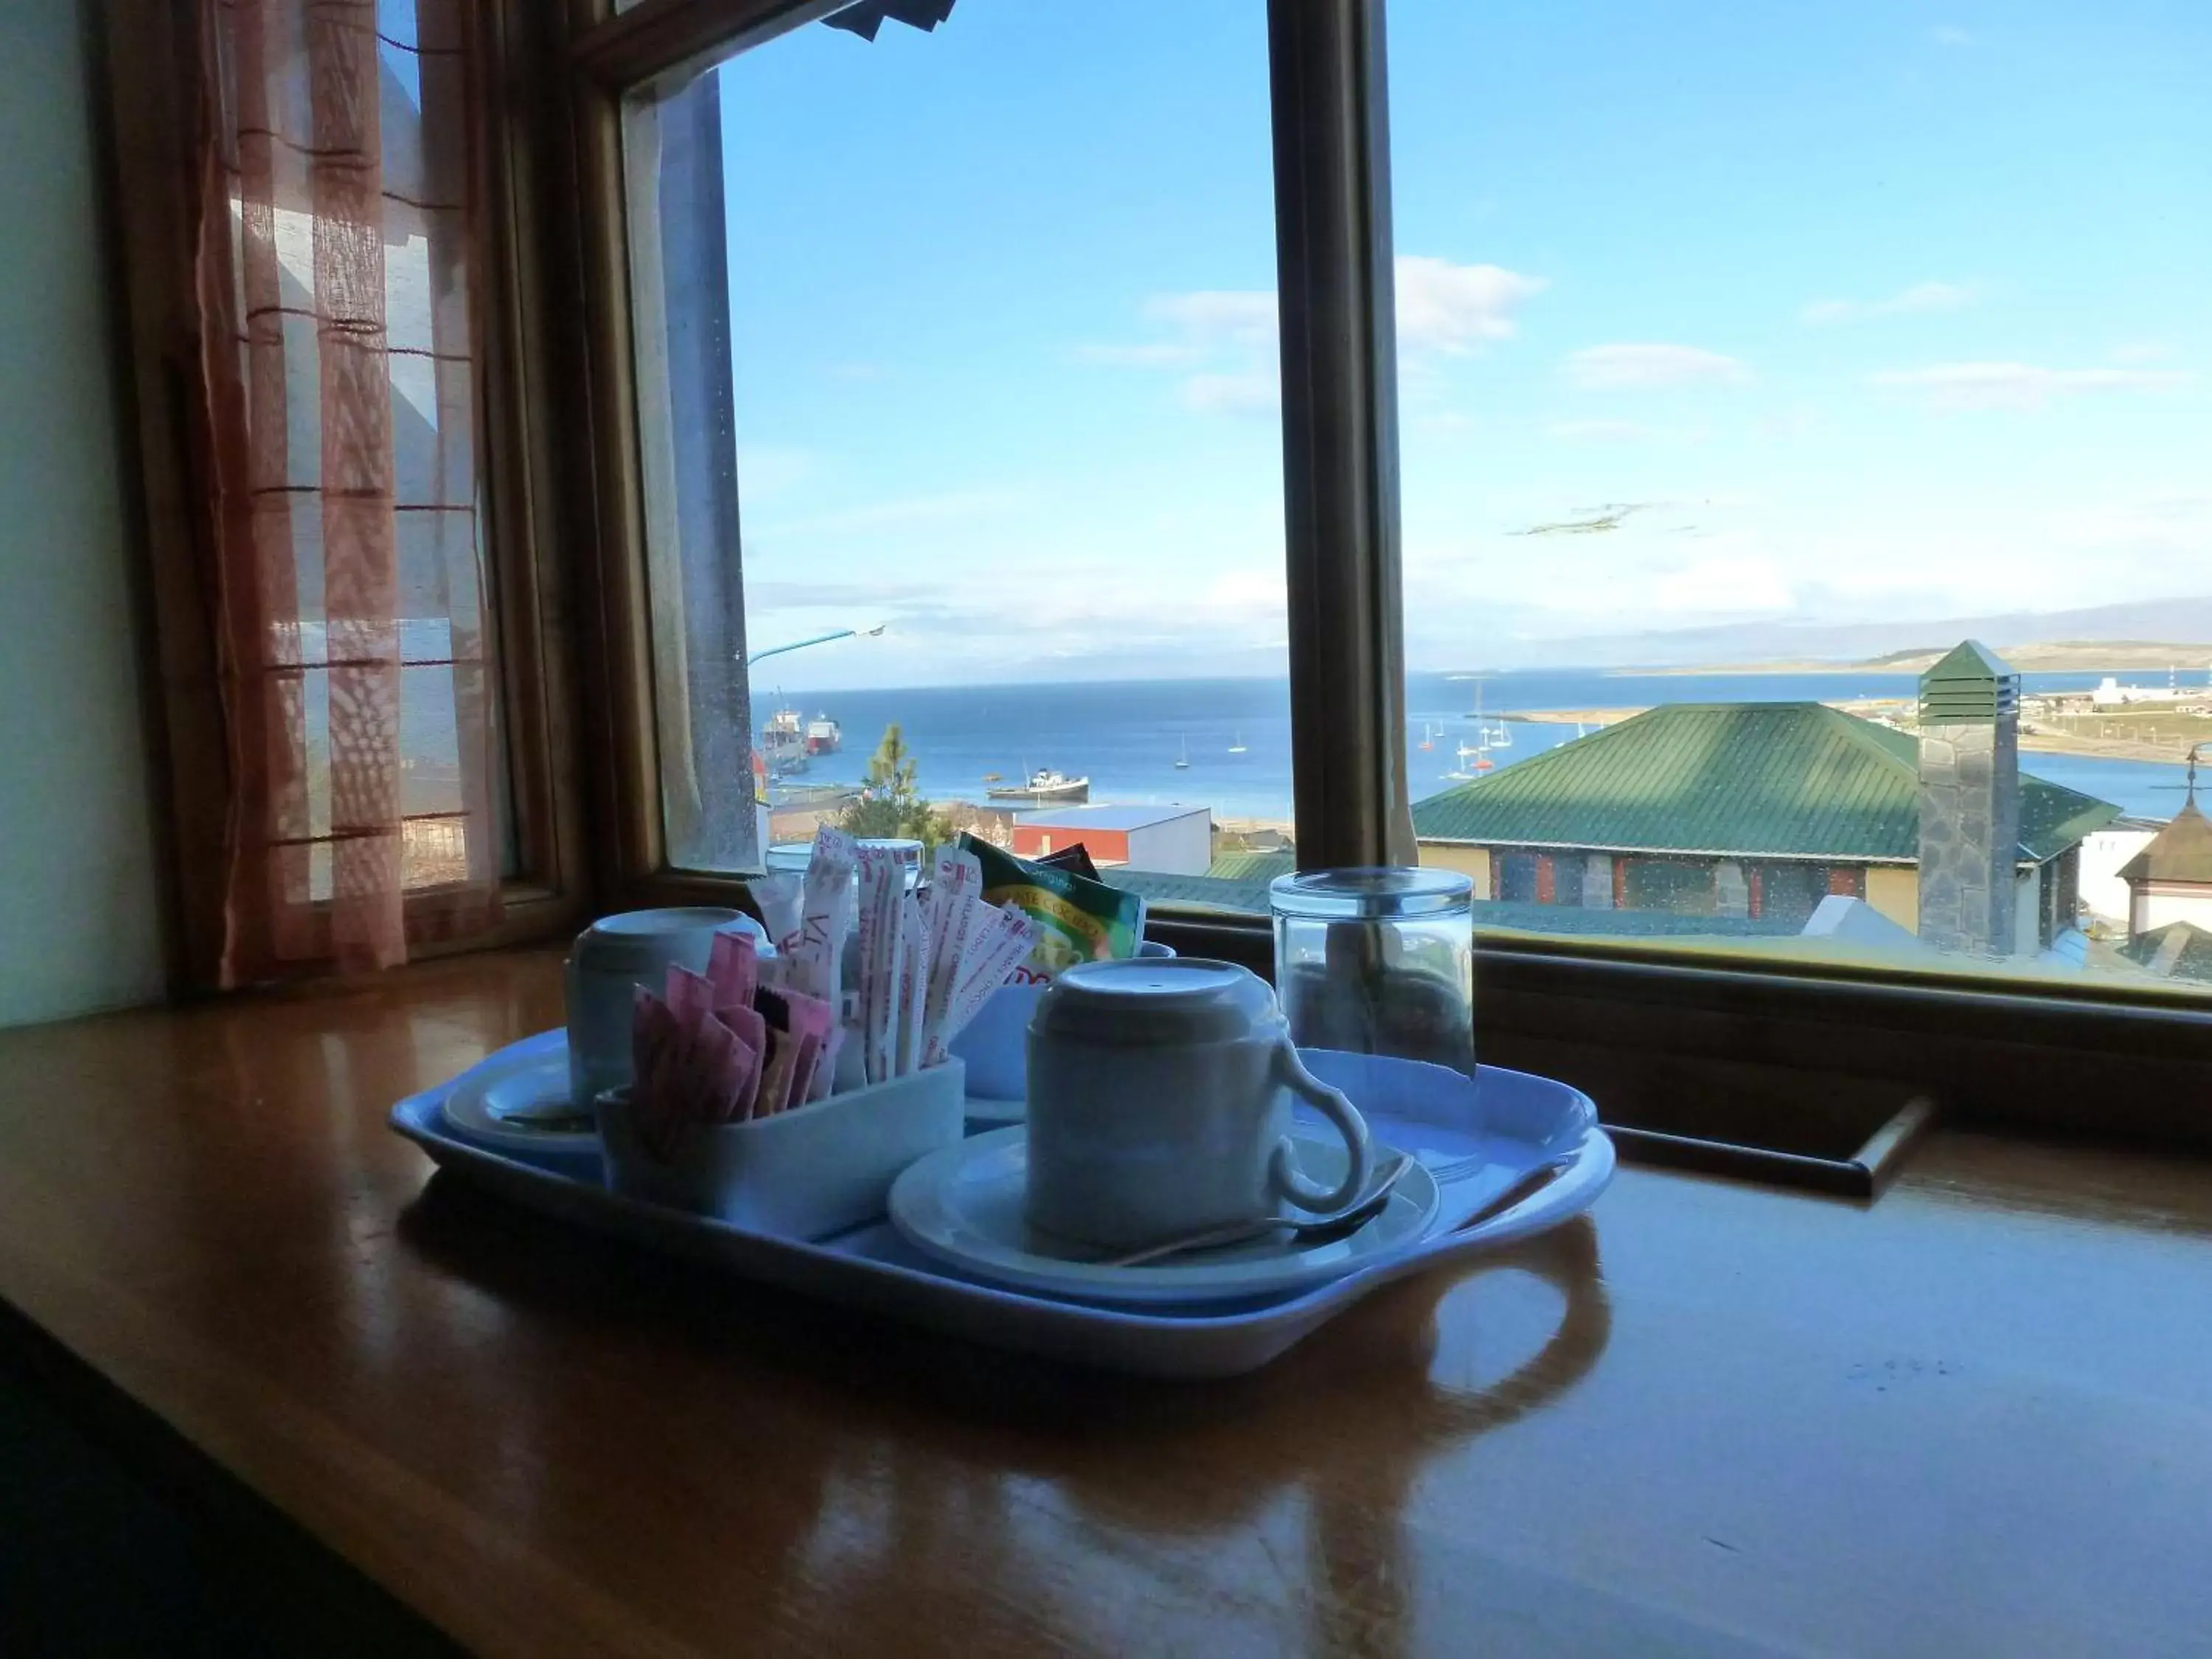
<point>609,960</point>
<point>1160,1105</point>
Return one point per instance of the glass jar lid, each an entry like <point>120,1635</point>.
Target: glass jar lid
<point>1375,893</point>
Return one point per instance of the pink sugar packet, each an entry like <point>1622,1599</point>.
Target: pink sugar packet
<point>692,995</point>
<point>656,1052</point>
<point>733,968</point>
<point>811,1022</point>
<point>716,1072</point>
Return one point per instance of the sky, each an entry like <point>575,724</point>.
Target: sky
<point>1706,312</point>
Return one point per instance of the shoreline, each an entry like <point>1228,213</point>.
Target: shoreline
<point>2038,742</point>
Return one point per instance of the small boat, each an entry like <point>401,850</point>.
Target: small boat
<point>1044,785</point>
<point>1478,753</point>
<point>991,777</point>
<point>1236,743</point>
<point>1428,734</point>
<point>1182,759</point>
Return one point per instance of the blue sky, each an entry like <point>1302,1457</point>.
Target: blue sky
<point>1862,311</point>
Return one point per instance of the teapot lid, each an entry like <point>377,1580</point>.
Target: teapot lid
<point>1152,999</point>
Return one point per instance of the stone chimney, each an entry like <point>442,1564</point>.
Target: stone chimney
<point>1969,802</point>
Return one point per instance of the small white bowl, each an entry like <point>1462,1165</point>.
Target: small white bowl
<point>806,1173</point>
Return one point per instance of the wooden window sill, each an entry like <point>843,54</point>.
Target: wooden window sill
<point>1709,1417</point>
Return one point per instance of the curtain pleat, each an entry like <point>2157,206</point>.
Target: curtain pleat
<point>347,583</point>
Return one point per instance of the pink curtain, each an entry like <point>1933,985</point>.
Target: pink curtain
<point>344,578</point>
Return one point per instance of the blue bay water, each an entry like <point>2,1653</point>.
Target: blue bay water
<point>1126,737</point>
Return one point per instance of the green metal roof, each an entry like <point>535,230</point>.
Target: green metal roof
<point>2180,950</point>
<point>1769,780</point>
<point>1252,896</point>
<point>1248,866</point>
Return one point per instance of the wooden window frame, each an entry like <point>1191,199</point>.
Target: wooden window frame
<point>1631,1019</point>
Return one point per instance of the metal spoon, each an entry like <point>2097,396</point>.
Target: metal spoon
<point>1307,1230</point>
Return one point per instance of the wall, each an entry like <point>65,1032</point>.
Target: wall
<point>2169,902</point>
<point>1180,847</point>
<point>2102,855</point>
<point>1896,893</point>
<point>1468,860</point>
<point>79,926</point>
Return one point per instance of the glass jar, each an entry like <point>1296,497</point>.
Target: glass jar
<point>1378,962</point>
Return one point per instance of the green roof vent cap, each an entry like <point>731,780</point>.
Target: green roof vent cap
<point>1971,686</point>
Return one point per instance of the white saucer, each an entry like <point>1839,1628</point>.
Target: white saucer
<point>481,1103</point>
<point>963,1205</point>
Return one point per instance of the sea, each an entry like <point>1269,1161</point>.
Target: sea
<point>1127,736</point>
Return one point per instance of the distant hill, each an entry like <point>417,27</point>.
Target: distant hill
<point>2160,627</point>
<point>2054,655</point>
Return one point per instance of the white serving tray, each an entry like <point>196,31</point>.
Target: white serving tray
<point>1514,1120</point>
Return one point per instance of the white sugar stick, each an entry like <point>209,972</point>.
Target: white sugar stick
<point>955,906</point>
<point>914,982</point>
<point>1005,942</point>
<point>883,884</point>
<point>817,950</point>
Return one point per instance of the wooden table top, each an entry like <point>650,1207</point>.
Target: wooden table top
<point>1973,1419</point>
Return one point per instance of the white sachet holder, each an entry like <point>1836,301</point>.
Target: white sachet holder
<point>807,1173</point>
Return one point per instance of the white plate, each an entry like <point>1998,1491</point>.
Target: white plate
<point>964,1206</point>
<point>481,1103</point>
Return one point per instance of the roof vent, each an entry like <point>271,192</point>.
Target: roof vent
<point>1971,686</point>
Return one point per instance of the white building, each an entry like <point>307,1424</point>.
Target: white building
<point>1168,840</point>
<point>2171,880</point>
<point>2105,853</point>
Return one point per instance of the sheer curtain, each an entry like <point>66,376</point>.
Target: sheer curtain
<point>343,578</point>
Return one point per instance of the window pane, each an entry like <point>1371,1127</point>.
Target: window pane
<point>1755,360</point>
<point>989,313</point>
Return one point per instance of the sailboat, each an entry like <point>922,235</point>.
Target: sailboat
<point>1479,752</point>
<point>1183,760</point>
<point>1429,730</point>
<point>1236,743</point>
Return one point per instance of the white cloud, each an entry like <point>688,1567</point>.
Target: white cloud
<point>1247,315</point>
<point>1714,587</point>
<point>1920,297</point>
<point>1227,336</point>
<point>767,470</point>
<point>2020,386</point>
<point>1233,394</point>
<point>1793,423</point>
<point>2141,352</point>
<point>1453,308</point>
<point>1950,34</point>
<point>2173,524</point>
<point>901,513</point>
<point>1600,432</point>
<point>1651,366</point>
<point>1145,353</point>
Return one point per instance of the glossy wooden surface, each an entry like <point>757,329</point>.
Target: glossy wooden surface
<point>1974,1419</point>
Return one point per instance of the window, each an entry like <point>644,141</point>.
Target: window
<point>960,439</point>
<point>1596,422</point>
<point>1753,363</point>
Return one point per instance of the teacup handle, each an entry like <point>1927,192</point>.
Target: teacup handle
<point>1289,1180</point>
